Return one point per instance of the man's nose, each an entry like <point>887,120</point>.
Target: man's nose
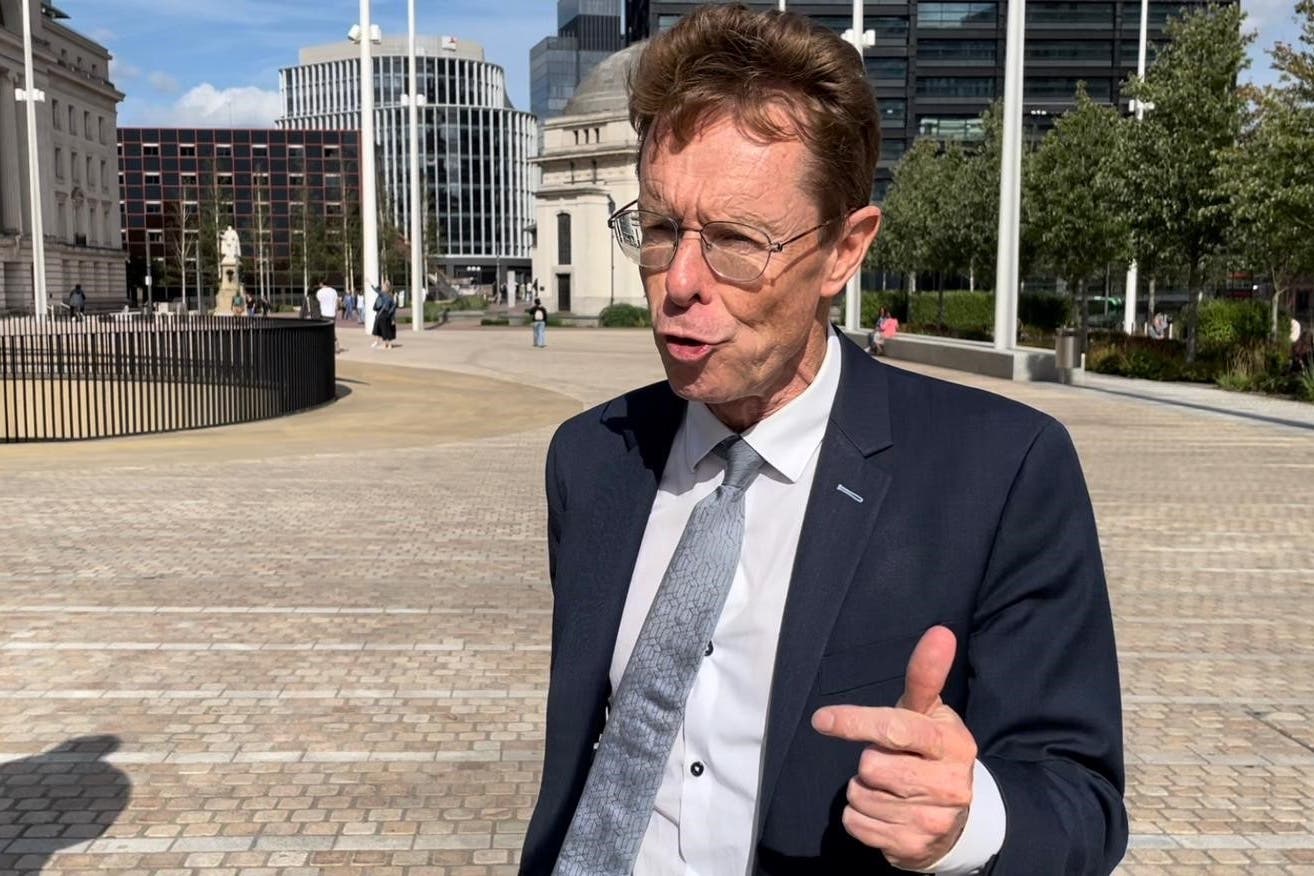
<point>688,273</point>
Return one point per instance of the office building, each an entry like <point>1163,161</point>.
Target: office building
<point>292,196</point>
<point>476,173</point>
<point>937,65</point>
<point>587,32</point>
<point>75,146</point>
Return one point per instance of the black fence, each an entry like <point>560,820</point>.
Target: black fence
<point>66,378</point>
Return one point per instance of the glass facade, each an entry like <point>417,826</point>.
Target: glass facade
<point>950,127</point>
<point>954,15</point>
<point>1070,51</point>
<point>1070,15</point>
<point>887,71</point>
<point>1159,15</point>
<point>475,149</point>
<point>956,86</point>
<point>588,31</point>
<point>971,51</point>
<point>886,27</point>
<point>1063,88</point>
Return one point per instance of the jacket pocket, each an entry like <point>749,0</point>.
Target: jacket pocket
<point>874,663</point>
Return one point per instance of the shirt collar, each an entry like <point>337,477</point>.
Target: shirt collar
<point>787,439</point>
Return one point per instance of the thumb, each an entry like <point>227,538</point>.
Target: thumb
<point>928,668</point>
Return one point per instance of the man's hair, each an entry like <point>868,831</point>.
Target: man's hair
<point>730,61</point>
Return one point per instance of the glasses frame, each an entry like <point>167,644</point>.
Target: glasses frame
<point>680,230</point>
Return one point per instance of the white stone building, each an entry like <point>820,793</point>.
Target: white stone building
<point>588,166</point>
<point>76,147</point>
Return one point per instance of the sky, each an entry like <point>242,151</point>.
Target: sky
<point>185,63</point>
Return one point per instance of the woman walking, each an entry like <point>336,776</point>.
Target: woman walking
<point>385,316</point>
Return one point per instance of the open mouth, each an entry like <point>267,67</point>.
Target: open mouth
<point>686,349</point>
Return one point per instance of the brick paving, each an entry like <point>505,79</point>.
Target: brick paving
<point>320,645</point>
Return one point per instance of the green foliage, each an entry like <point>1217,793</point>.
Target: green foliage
<point>625,316</point>
<point>965,312</point>
<point>1148,359</point>
<point>1305,383</point>
<point>1264,367</point>
<point>1225,323</point>
<point>467,302</point>
<point>1046,312</point>
<point>494,320</point>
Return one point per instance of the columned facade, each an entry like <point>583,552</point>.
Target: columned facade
<point>76,126</point>
<point>476,150</point>
<point>588,166</point>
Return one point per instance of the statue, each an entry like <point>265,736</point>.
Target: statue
<point>230,281</point>
<point>230,246</point>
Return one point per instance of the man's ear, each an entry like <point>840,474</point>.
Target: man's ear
<point>860,230</point>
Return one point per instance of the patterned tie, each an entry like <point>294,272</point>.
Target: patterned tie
<point>648,707</point>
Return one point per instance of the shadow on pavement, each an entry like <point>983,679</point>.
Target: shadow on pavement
<point>57,799</point>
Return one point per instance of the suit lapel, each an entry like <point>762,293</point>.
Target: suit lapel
<point>836,529</point>
<point>646,421</point>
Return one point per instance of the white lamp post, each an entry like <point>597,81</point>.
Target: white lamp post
<point>1010,182</point>
<point>415,100</point>
<point>365,34</point>
<point>30,94</point>
<point>860,39</point>
<point>1139,107</point>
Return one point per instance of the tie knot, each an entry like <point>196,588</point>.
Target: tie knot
<point>741,462</point>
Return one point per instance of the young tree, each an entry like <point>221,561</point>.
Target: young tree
<point>1296,63</point>
<point>1172,157</point>
<point>909,215</point>
<point>182,238</point>
<point>1069,185</point>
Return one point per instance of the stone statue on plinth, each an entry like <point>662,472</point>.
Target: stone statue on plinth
<point>230,267</point>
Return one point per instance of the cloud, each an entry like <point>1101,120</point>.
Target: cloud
<point>161,81</point>
<point>121,71</point>
<point>206,106</point>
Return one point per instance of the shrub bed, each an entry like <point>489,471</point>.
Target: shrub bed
<point>625,316</point>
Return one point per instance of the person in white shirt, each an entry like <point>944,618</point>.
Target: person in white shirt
<point>327,297</point>
<point>812,614</point>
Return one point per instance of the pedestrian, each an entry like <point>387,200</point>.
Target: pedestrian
<point>349,302</point>
<point>538,318</point>
<point>800,625</point>
<point>77,301</point>
<point>385,316</point>
<point>239,304</point>
<point>327,297</point>
<point>360,307</point>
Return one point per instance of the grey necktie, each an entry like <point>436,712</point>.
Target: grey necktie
<point>648,707</point>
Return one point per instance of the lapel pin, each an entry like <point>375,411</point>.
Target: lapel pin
<point>852,495</point>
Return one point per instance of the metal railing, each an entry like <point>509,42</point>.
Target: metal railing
<point>66,377</point>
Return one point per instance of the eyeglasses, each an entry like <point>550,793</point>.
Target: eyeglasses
<point>734,252</point>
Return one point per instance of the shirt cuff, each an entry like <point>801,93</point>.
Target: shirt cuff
<point>983,835</point>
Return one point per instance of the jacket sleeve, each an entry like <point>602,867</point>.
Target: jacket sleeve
<point>1044,702</point>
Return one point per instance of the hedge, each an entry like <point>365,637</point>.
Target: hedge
<point>625,316</point>
<point>967,314</point>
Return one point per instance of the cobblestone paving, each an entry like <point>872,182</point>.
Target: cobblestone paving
<point>316,650</point>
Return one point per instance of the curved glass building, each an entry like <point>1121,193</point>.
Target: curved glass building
<point>476,149</point>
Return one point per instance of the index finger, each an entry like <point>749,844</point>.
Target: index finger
<point>890,729</point>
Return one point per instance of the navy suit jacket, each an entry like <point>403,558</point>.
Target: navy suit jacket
<point>974,514</point>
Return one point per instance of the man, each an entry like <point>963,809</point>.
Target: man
<point>77,301</point>
<point>813,614</point>
<point>327,297</point>
<point>538,319</point>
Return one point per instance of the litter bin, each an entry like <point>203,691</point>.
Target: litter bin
<point>1067,353</point>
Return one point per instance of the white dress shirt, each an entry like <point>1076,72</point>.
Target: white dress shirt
<point>703,820</point>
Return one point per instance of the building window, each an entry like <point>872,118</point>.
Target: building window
<point>1129,52</point>
<point>86,126</point>
<point>73,167</point>
<point>224,179</point>
<point>100,129</point>
<point>1063,88</point>
<point>150,150</point>
<point>72,120</point>
<point>154,207</point>
<point>186,150</point>
<point>155,237</point>
<point>887,70</point>
<point>956,86</point>
<point>972,51</point>
<point>892,150</point>
<point>950,127</point>
<point>223,150</point>
<point>1069,51</point>
<point>187,179</point>
<point>152,179</point>
<point>54,115</point>
<point>563,238</point>
<point>104,175</point>
<point>894,113</point>
<point>666,22</point>
<point>886,27</point>
<point>59,163</point>
<point>1159,15</point>
<point>91,180</point>
<point>1082,15</point>
<point>949,15</point>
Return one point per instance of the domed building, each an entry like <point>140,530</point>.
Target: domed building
<point>587,165</point>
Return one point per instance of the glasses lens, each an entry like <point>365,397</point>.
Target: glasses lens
<point>647,239</point>
<point>736,252</point>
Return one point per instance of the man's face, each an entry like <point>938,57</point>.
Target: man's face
<point>723,342</point>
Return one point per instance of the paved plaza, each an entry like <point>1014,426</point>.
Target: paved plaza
<point>320,644</point>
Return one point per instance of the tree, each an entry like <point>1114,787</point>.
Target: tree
<point>1070,182</point>
<point>905,240</point>
<point>1296,64</point>
<point>215,213</point>
<point>1172,157</point>
<point>979,196</point>
<point>183,239</point>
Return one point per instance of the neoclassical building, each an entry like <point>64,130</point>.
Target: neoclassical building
<point>588,160</point>
<point>76,125</point>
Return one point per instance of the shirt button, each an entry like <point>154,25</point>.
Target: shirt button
<point>696,768</point>
<point>708,652</point>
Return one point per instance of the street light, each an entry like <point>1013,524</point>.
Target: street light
<point>1139,107</point>
<point>31,95</point>
<point>415,100</point>
<point>860,39</point>
<point>369,208</point>
<point>1010,182</point>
